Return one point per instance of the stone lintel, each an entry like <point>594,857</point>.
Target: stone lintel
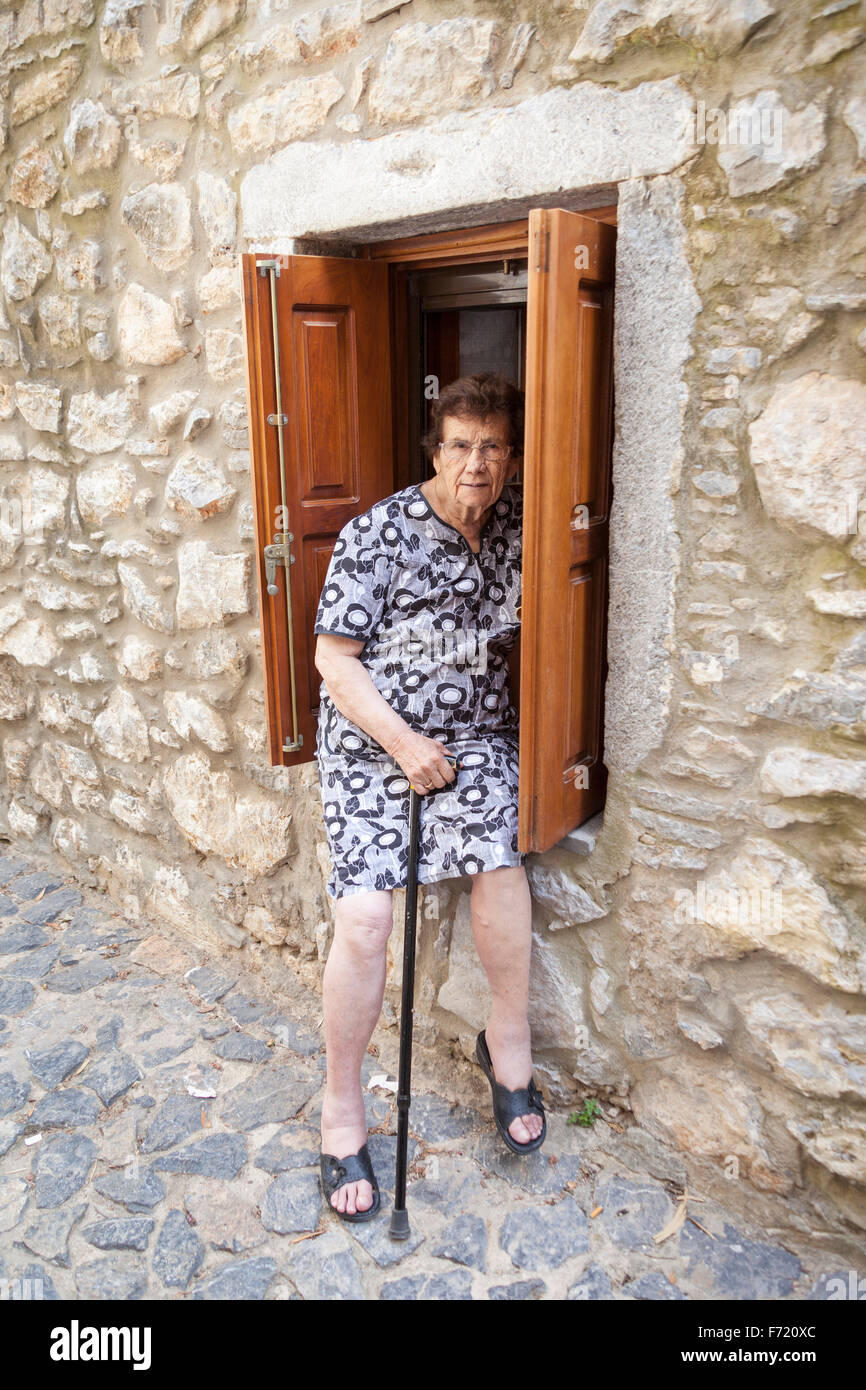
<point>565,147</point>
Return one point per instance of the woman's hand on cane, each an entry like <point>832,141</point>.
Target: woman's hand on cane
<point>424,761</point>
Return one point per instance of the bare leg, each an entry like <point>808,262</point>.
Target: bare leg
<point>352,992</point>
<point>501,910</point>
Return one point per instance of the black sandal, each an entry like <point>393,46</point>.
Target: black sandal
<point>508,1105</point>
<point>336,1172</point>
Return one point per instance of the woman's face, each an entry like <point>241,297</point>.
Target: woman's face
<point>474,460</point>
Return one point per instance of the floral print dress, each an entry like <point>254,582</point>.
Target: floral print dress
<point>438,622</point>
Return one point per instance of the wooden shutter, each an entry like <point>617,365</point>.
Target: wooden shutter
<point>567,495</point>
<point>329,319</point>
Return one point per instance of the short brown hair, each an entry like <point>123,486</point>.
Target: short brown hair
<point>476,397</point>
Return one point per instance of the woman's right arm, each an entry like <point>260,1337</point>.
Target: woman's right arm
<point>348,683</point>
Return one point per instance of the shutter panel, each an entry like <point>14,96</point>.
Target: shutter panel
<point>567,495</point>
<point>331,330</point>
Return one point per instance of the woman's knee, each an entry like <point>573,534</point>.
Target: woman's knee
<point>364,921</point>
<point>497,893</point>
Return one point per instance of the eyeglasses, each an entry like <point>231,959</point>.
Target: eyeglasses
<point>459,449</point>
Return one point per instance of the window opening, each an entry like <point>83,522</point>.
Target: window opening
<point>462,320</point>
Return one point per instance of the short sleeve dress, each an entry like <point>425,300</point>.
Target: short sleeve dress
<point>437,622</point>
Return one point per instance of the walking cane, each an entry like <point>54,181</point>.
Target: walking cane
<point>399,1229</point>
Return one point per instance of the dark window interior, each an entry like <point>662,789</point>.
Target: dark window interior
<point>463,320</point>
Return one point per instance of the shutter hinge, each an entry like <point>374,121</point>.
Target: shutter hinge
<point>280,553</point>
<point>542,248</point>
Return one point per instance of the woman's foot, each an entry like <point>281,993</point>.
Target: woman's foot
<point>511,1058</point>
<point>344,1132</point>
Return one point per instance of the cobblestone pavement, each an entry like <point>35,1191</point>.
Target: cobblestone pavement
<point>158,1139</point>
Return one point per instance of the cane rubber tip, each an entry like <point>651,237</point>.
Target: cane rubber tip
<point>399,1225</point>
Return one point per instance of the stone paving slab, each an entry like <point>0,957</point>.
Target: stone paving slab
<point>159,1140</point>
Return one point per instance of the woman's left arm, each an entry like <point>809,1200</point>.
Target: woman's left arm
<point>351,688</point>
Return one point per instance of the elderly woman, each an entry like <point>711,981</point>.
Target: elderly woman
<point>416,618</point>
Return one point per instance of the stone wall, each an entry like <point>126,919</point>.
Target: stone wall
<point>701,961</point>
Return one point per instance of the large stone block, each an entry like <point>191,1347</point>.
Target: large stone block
<point>585,136</point>
<point>820,699</point>
<point>249,832</point>
<point>31,642</point>
<point>60,15</point>
<point>647,461</point>
<point>224,353</point>
<point>330,32</point>
<point>277,47</point>
<point>705,24</point>
<point>142,601</point>
<point>558,891</point>
<point>211,586</point>
<point>191,717</point>
<point>105,491</point>
<point>819,1049</point>
<point>769,900</point>
<point>120,32</point>
<point>80,264</point>
<point>159,216</point>
<point>146,329</point>
<point>121,728</point>
<point>24,262</point>
<point>167,414</point>
<point>842,603</point>
<point>705,1107</point>
<point>59,316</point>
<point>99,424</point>
<point>43,496</point>
<point>765,142</point>
<point>288,113</point>
<point>35,178</point>
<point>190,24</point>
<point>803,772</point>
<point>40,404</point>
<point>808,450</point>
<point>430,68</point>
<point>218,211</point>
<point>197,487</point>
<point>92,137</point>
<point>177,95</point>
<point>44,89</point>
<point>15,695</point>
<point>219,288</point>
<point>138,659</point>
<point>835,1138</point>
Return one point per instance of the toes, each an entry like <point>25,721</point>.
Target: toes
<point>353,1197</point>
<point>343,1198</point>
<point>519,1131</point>
<point>361,1198</point>
<point>526,1128</point>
